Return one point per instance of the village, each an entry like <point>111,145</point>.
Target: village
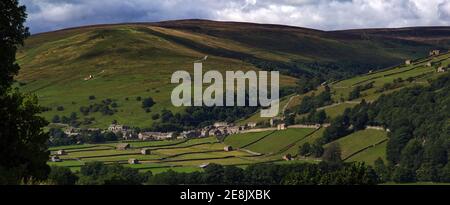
<point>218,129</point>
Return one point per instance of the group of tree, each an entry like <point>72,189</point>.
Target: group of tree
<point>419,138</point>
<point>323,173</point>
<point>23,142</point>
<point>195,117</point>
<point>311,103</point>
<point>356,92</point>
<point>314,117</point>
<point>59,138</point>
<point>398,82</point>
<point>97,173</point>
<point>106,107</point>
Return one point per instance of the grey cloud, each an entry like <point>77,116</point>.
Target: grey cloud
<point>45,15</point>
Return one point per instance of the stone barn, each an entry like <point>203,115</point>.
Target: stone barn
<point>55,159</point>
<point>145,151</point>
<point>133,161</point>
<point>228,148</point>
<point>123,146</point>
<point>287,157</point>
<point>203,166</point>
<point>281,126</point>
<point>441,69</point>
<point>61,152</point>
<point>435,52</point>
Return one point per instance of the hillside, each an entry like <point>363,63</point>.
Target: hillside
<point>365,145</point>
<point>126,62</point>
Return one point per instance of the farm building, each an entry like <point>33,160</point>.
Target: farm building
<point>128,135</point>
<point>228,148</point>
<point>155,135</point>
<point>435,52</point>
<point>281,126</point>
<point>55,159</point>
<point>216,132</point>
<point>123,146</point>
<point>145,151</point>
<point>233,130</point>
<point>287,157</point>
<point>133,161</point>
<point>408,62</point>
<point>61,152</point>
<point>275,121</point>
<point>220,124</point>
<point>442,69</point>
<point>72,132</point>
<point>205,132</point>
<point>251,124</point>
<point>428,64</point>
<point>89,77</point>
<point>190,134</point>
<point>117,128</point>
<point>203,166</point>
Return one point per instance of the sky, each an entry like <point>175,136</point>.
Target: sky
<point>48,15</point>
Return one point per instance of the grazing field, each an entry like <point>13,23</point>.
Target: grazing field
<point>360,140</point>
<point>244,139</point>
<point>370,155</point>
<point>188,155</point>
<point>338,109</point>
<point>279,140</point>
<point>180,155</point>
<point>418,72</point>
<point>309,139</point>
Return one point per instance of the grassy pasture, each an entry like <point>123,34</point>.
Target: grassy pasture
<point>279,140</point>
<point>370,155</point>
<point>359,140</point>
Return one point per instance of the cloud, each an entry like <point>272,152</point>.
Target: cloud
<point>46,15</point>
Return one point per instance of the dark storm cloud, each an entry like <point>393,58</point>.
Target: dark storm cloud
<point>45,15</point>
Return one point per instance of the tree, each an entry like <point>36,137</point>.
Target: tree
<point>23,143</point>
<point>214,174</point>
<point>62,176</point>
<point>12,35</point>
<point>110,136</point>
<point>233,175</point>
<point>403,174</point>
<point>305,149</point>
<point>56,119</point>
<point>332,153</point>
<point>97,173</point>
<point>382,170</point>
<point>355,93</point>
<point>148,103</point>
<point>317,150</point>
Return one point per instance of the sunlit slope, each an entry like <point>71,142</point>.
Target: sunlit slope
<point>125,62</point>
<point>137,60</point>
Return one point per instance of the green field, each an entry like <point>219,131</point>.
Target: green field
<point>241,140</point>
<point>417,71</point>
<point>370,155</point>
<point>279,140</point>
<point>360,140</point>
<point>176,155</point>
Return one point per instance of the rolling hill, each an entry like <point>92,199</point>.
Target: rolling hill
<point>79,67</point>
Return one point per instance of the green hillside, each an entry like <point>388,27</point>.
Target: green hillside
<point>359,142</point>
<point>131,61</point>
